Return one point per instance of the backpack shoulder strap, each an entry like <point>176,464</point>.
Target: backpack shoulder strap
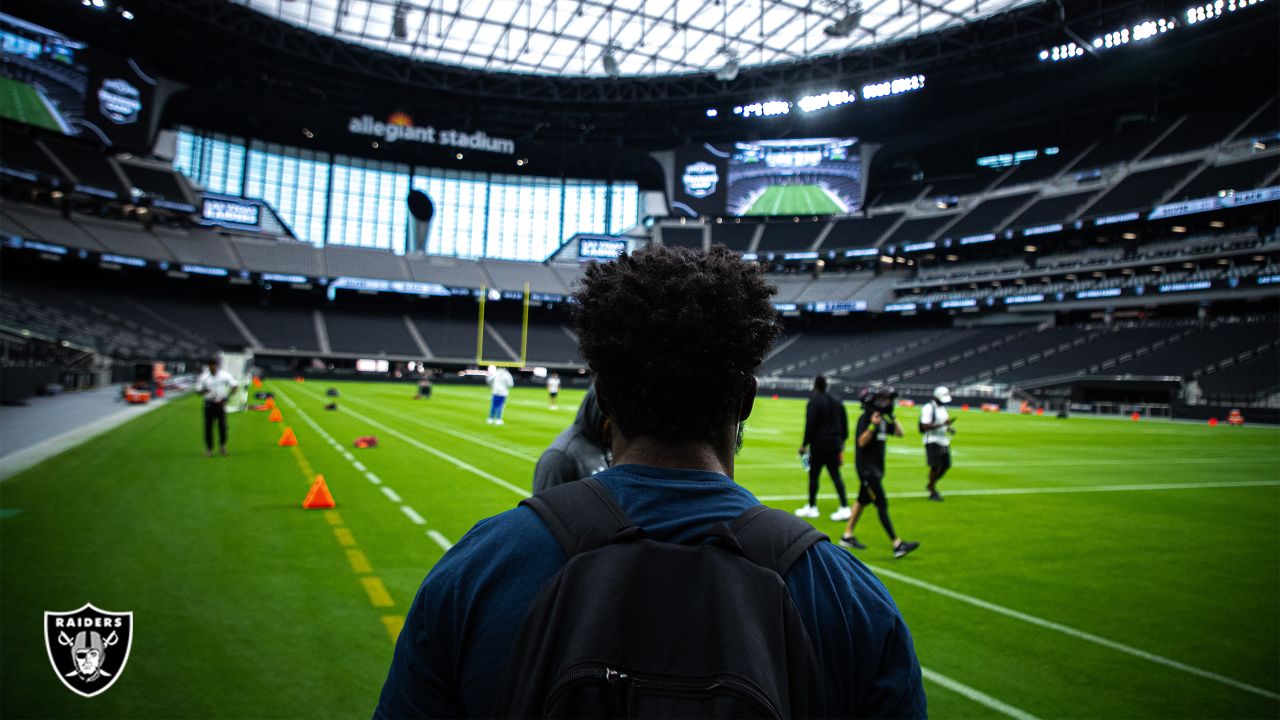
<point>582,516</point>
<point>774,538</point>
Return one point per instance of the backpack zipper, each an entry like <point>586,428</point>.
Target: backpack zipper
<point>611,677</point>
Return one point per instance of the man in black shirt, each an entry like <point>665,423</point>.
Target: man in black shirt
<point>874,427</point>
<point>826,427</point>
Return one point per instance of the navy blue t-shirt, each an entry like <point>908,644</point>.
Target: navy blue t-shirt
<point>451,657</point>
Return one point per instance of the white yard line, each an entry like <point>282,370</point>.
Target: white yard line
<point>461,436</point>
<point>1073,632</point>
<point>1042,463</point>
<point>440,540</point>
<point>976,695</point>
<point>456,462</point>
<point>413,515</point>
<point>1052,490</point>
<point>392,495</point>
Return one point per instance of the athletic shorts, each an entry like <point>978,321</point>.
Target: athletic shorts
<point>554,394</point>
<point>937,456</point>
<point>871,487</point>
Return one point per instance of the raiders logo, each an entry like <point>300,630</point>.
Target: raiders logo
<point>88,648</point>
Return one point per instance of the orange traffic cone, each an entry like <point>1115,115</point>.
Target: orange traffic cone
<point>257,381</point>
<point>287,439</point>
<point>318,496</point>
<point>270,403</point>
<point>275,415</point>
<point>299,378</point>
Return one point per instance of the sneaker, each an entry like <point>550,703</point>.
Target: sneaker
<point>208,453</point>
<point>850,541</point>
<point>842,514</point>
<point>489,420</point>
<point>498,422</point>
<point>808,511</point>
<point>223,451</point>
<point>904,548</point>
<point>935,496</point>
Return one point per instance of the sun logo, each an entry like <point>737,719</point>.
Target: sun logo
<point>401,119</point>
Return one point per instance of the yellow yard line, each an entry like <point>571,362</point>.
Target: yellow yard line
<point>378,596</point>
<point>359,563</point>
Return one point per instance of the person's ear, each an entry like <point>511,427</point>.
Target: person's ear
<point>748,399</point>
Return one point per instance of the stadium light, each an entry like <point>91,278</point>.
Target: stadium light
<point>845,26</point>
<point>897,86</point>
<point>1148,29</point>
<point>610,63</point>
<point>712,112</point>
<point>399,26</point>
<point>729,71</point>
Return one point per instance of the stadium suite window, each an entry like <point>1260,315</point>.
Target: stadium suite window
<point>512,217</point>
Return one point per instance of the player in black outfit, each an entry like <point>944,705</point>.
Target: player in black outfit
<point>826,427</point>
<point>874,427</point>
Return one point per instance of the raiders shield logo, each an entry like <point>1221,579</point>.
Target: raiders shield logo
<point>88,647</point>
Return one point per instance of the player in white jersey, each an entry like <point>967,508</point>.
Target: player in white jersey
<point>215,386</point>
<point>935,423</point>
<point>500,383</point>
<point>553,391</point>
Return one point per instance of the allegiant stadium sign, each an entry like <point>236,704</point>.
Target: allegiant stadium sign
<point>400,128</point>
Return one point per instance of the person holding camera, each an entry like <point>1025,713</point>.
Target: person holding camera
<point>874,427</point>
<point>936,425</point>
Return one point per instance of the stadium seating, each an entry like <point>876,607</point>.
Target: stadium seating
<point>343,261</point>
<point>514,275</point>
<point>280,328</point>
<point>449,336</point>
<point>453,272</point>
<point>1241,381</point>
<point>125,238</point>
<point>369,333</point>
<point>918,229</point>
<point>988,216</point>
<point>47,225</point>
<point>547,343</point>
<point>156,183</point>
<point>22,152</point>
<point>1127,144</point>
<point>1139,190</point>
<point>787,236</point>
<point>735,236</point>
<point>88,167</point>
<point>279,256</point>
<point>1044,167</point>
<point>860,232</point>
<point>690,237</point>
<point>1059,209</point>
<point>200,247</point>
<point>1216,179</point>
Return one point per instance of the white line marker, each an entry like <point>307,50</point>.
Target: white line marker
<point>438,453</point>
<point>461,436</point>
<point>1073,632</point>
<point>390,494</point>
<point>975,695</point>
<point>413,515</point>
<point>373,478</point>
<point>1054,490</point>
<point>348,456</point>
<point>440,540</point>
<point>1039,463</point>
<point>358,465</point>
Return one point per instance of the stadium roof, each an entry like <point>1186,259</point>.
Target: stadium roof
<point>597,38</point>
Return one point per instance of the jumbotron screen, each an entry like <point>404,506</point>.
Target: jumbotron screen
<point>811,176</point>
<point>57,83</point>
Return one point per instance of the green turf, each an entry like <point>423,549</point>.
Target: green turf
<point>794,200</point>
<point>19,101</point>
<point>246,605</point>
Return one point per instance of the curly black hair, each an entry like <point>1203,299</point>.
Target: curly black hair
<point>675,337</point>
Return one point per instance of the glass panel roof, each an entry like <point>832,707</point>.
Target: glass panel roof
<point>643,37</point>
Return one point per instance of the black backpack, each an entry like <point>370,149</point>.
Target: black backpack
<point>632,627</point>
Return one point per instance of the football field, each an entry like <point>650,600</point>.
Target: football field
<point>794,200</point>
<point>19,101</point>
<point>1079,568</point>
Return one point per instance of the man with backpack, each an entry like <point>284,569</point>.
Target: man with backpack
<point>657,587</point>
